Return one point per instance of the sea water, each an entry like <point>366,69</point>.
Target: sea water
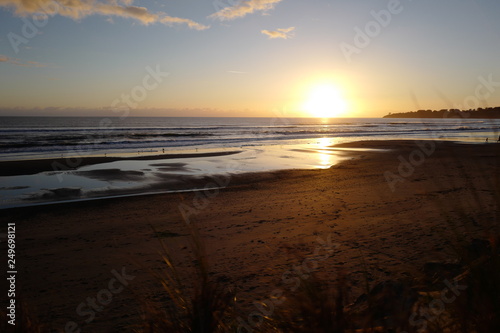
<point>261,144</point>
<point>42,137</point>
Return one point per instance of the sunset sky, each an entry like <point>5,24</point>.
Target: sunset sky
<point>247,57</point>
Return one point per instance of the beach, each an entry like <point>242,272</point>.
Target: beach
<point>250,166</point>
<point>376,215</point>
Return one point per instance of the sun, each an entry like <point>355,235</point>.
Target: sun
<point>325,101</point>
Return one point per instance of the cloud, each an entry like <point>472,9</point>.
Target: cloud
<point>18,62</point>
<point>169,20</point>
<point>280,33</point>
<point>78,9</point>
<point>243,8</point>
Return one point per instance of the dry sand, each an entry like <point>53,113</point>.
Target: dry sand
<point>257,229</point>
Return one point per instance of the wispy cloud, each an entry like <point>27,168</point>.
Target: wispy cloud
<point>237,72</point>
<point>78,9</point>
<point>280,33</point>
<point>170,21</point>
<point>243,8</point>
<point>18,62</point>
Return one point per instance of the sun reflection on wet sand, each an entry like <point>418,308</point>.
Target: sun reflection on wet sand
<point>164,175</point>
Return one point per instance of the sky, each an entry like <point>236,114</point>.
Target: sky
<point>244,58</point>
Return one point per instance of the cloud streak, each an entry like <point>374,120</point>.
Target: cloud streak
<point>18,62</point>
<point>243,8</point>
<point>280,33</point>
<point>78,9</point>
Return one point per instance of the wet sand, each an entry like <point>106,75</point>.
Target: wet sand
<point>153,173</point>
<point>31,167</point>
<point>259,230</point>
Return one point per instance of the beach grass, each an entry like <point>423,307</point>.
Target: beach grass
<point>197,303</point>
<point>317,306</point>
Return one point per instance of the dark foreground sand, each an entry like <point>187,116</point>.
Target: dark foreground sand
<point>259,230</point>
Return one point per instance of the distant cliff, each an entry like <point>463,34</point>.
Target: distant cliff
<point>482,113</point>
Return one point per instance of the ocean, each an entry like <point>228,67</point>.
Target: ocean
<point>42,137</point>
<point>178,154</point>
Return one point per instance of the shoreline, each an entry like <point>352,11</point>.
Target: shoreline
<point>170,177</point>
<point>259,227</point>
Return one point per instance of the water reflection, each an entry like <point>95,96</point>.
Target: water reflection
<point>127,177</point>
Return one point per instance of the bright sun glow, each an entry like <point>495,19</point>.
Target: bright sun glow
<point>325,101</point>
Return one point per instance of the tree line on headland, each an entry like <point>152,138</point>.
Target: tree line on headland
<point>483,113</point>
